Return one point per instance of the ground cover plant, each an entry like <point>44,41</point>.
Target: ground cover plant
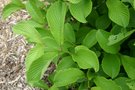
<point>90,42</point>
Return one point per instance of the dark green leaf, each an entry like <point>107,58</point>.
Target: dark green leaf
<point>103,22</point>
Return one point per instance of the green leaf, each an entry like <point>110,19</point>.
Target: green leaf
<point>9,9</point>
<point>106,84</point>
<point>85,58</point>
<point>103,22</point>
<point>27,28</point>
<point>69,34</point>
<point>102,38</point>
<point>35,12</point>
<point>33,55</point>
<point>81,10</point>
<point>56,17</point>
<point>118,12</point>
<point>18,3</point>
<point>114,39</point>
<point>50,44</point>
<point>39,66</point>
<point>53,88</point>
<point>83,86</point>
<point>122,82</point>
<point>129,65</point>
<point>67,76</point>
<point>74,1</point>
<point>90,39</point>
<point>132,17</point>
<point>131,84</point>
<point>111,65</point>
<point>96,88</point>
<point>66,63</point>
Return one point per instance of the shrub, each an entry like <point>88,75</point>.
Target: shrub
<point>91,43</point>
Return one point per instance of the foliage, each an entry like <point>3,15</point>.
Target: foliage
<point>91,43</point>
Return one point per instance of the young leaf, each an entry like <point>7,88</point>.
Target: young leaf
<point>35,12</point>
<point>129,65</point>
<point>27,28</point>
<point>56,17</point>
<point>74,1</point>
<point>33,55</point>
<point>85,58</point>
<point>67,76</point>
<point>102,40</point>
<point>122,82</point>
<point>90,39</point>
<point>103,22</point>
<point>9,9</point>
<point>69,34</point>
<point>114,39</point>
<point>66,63</point>
<point>111,65</point>
<point>106,84</point>
<point>81,10</point>
<point>39,66</point>
<point>118,12</point>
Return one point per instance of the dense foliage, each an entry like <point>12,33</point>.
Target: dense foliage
<point>91,43</point>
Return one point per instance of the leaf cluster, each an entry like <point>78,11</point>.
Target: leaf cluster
<point>91,43</point>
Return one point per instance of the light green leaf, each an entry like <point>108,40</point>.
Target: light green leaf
<point>39,66</point>
<point>18,3</point>
<point>118,12</point>
<point>131,84</point>
<point>129,65</point>
<point>35,12</point>
<point>103,22</point>
<point>66,63</point>
<point>50,44</point>
<point>85,58</point>
<point>106,84</point>
<point>81,10</point>
<point>111,65</point>
<point>56,17</point>
<point>74,1</point>
<point>27,28</point>
<point>90,39</point>
<point>114,39</point>
<point>53,88</point>
<point>69,34</point>
<point>33,55</point>
<point>67,76</point>
<point>9,9</point>
<point>122,82</point>
<point>96,88</point>
<point>102,38</point>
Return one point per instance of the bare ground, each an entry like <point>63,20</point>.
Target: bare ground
<point>13,50</point>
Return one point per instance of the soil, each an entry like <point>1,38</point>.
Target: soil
<point>13,50</point>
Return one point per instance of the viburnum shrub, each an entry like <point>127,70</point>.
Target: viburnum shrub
<point>90,42</point>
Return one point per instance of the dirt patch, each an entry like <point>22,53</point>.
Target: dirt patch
<point>13,49</point>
